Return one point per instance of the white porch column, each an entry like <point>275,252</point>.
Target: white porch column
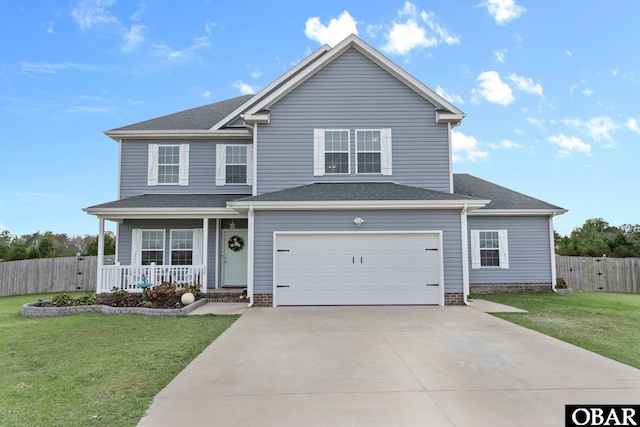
<point>100,253</point>
<point>250,258</point>
<point>205,252</point>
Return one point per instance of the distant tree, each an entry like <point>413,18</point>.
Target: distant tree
<point>33,253</point>
<point>109,245</point>
<point>597,237</point>
<point>17,250</point>
<point>46,248</point>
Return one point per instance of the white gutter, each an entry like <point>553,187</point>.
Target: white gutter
<point>360,204</point>
<point>250,257</point>
<point>465,255</point>
<point>552,252</point>
<point>181,134</point>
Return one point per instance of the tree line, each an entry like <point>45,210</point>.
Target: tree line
<point>598,238</point>
<point>50,245</point>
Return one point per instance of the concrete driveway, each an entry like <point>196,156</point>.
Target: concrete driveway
<point>386,366</point>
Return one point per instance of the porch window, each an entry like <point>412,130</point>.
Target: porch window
<point>152,247</point>
<point>489,249</point>
<point>181,247</point>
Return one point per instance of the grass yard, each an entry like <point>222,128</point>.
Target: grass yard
<point>92,369</point>
<point>605,323</point>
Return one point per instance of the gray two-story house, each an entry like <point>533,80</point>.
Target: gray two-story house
<point>331,186</point>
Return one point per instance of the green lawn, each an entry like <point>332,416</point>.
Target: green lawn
<point>605,323</point>
<point>92,369</point>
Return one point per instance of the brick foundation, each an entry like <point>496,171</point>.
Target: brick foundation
<point>263,300</point>
<point>490,288</point>
<point>453,298</point>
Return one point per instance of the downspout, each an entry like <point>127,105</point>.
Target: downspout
<point>251,240</point>
<point>465,254</point>
<point>552,251</point>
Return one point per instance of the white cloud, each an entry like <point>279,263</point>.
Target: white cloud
<point>49,68</point>
<point>518,131</point>
<point>569,145</point>
<point>535,122</point>
<point>493,89</point>
<point>255,73</point>
<point>504,11</point>
<point>48,27</point>
<point>133,38</point>
<point>571,89</point>
<point>245,88</point>
<point>334,33</point>
<point>500,54</point>
<point>418,30</point>
<point>569,53</point>
<point>206,94</point>
<point>451,97</point>
<point>137,15</point>
<point>525,84</point>
<point>587,92</point>
<point>90,13</point>
<point>615,73</point>
<point>466,147</point>
<point>208,26</point>
<point>167,52</point>
<point>506,145</point>
<point>599,128</point>
<point>632,125</point>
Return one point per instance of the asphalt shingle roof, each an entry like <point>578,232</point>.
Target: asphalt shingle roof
<point>200,118</point>
<point>171,201</point>
<point>501,197</point>
<point>353,191</point>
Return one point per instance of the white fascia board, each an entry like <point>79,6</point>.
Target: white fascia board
<point>161,213</point>
<point>180,134</point>
<point>275,84</point>
<point>375,56</point>
<point>518,212</point>
<point>262,118</point>
<point>446,117</point>
<point>360,204</point>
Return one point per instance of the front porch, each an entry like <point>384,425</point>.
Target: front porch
<point>129,277</point>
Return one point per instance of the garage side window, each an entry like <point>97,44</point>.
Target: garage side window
<point>489,248</point>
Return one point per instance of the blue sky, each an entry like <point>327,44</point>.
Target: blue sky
<point>550,89</point>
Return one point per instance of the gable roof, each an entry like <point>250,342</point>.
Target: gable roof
<point>446,112</point>
<point>361,195</point>
<point>200,118</point>
<point>502,198</point>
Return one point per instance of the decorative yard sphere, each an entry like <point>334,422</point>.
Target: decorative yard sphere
<point>187,298</point>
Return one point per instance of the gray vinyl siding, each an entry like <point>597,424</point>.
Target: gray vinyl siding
<point>529,250</point>
<point>352,93</point>
<point>266,222</point>
<point>124,240</point>
<point>202,169</point>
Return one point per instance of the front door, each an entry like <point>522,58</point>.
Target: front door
<point>234,270</point>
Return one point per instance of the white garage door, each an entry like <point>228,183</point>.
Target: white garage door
<point>358,269</point>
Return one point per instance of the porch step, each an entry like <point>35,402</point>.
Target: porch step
<point>226,295</point>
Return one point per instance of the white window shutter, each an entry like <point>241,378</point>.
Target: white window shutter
<point>318,152</point>
<point>475,249</point>
<point>136,246</point>
<point>152,166</point>
<point>221,160</point>
<point>198,237</point>
<point>504,248</point>
<point>184,165</point>
<point>386,160</point>
<point>249,164</point>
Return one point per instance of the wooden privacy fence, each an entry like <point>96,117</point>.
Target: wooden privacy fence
<point>600,274</point>
<point>34,276</point>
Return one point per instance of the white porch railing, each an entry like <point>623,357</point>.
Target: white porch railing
<point>128,277</point>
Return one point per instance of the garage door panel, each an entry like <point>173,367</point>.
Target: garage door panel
<point>350,269</point>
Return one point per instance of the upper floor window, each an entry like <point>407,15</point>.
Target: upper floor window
<point>489,249</point>
<point>332,151</point>
<point>234,164</point>
<point>336,151</point>
<point>368,151</point>
<point>168,165</point>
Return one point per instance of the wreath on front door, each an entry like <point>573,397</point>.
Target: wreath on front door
<point>235,243</point>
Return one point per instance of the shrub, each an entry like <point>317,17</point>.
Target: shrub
<point>561,283</point>
<point>62,300</point>
<point>167,295</point>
